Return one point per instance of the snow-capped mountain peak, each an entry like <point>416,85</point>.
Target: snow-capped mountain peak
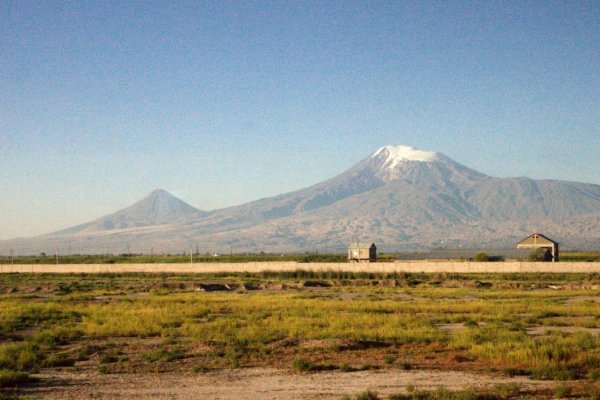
<point>395,155</point>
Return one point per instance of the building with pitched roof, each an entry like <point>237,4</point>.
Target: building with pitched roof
<point>539,241</point>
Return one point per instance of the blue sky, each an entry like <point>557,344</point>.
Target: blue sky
<point>226,102</point>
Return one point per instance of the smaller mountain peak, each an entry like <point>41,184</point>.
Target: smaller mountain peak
<point>395,155</point>
<point>159,193</point>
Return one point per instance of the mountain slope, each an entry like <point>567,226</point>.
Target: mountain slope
<point>400,197</point>
<point>388,164</point>
<point>158,208</point>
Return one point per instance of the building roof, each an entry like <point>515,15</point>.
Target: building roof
<point>361,245</point>
<point>536,239</point>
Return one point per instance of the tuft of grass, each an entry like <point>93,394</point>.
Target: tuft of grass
<point>592,391</point>
<point>165,355</point>
<point>10,378</point>
<point>594,374</point>
<point>553,372</point>
<point>346,368</point>
<point>367,395</point>
<point>111,357</point>
<point>470,324</point>
<point>58,360</point>
<point>201,368</point>
<point>300,365</point>
<point>506,390</point>
<point>57,335</point>
<point>405,366</point>
<point>103,369</point>
<point>389,359</point>
<point>508,371</point>
<point>445,394</point>
<point>20,357</point>
<point>563,391</point>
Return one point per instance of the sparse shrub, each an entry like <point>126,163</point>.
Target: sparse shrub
<point>553,372</point>
<point>506,390</point>
<point>563,391</point>
<point>460,358</point>
<point>445,394</point>
<point>538,255</point>
<point>389,359</point>
<point>201,368</point>
<point>103,369</point>
<point>547,314</point>
<point>367,395</point>
<point>346,368</point>
<point>165,355</point>
<point>405,366</point>
<point>57,334</point>
<point>302,365</point>
<point>508,371</point>
<point>58,360</point>
<point>592,391</point>
<point>86,351</point>
<point>481,257</point>
<point>110,357</point>
<point>470,324</point>
<point>20,357</point>
<point>366,367</point>
<point>516,327</point>
<point>594,374</point>
<point>10,378</point>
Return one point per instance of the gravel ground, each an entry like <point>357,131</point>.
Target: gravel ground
<point>257,383</point>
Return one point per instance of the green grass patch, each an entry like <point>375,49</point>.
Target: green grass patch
<point>164,355</point>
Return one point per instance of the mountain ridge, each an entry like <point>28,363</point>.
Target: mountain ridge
<point>400,197</point>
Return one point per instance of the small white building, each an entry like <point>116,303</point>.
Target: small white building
<point>362,252</point>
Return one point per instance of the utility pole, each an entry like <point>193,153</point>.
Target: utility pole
<point>191,256</point>
<point>56,255</point>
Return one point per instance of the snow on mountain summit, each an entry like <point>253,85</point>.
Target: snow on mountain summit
<point>398,154</point>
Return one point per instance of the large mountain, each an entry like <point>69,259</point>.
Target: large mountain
<point>399,197</point>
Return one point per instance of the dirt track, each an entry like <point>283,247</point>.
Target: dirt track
<point>258,383</point>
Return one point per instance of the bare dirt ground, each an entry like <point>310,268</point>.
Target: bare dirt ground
<point>544,329</point>
<point>259,383</point>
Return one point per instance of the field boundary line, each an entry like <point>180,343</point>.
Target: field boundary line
<point>255,267</point>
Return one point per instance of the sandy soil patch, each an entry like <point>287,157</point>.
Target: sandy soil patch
<point>579,299</point>
<point>253,383</point>
<point>452,328</point>
<point>455,327</point>
<point>541,330</point>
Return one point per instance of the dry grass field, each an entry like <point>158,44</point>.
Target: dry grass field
<point>300,334</point>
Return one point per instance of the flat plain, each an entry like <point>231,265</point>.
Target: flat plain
<point>300,334</point>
